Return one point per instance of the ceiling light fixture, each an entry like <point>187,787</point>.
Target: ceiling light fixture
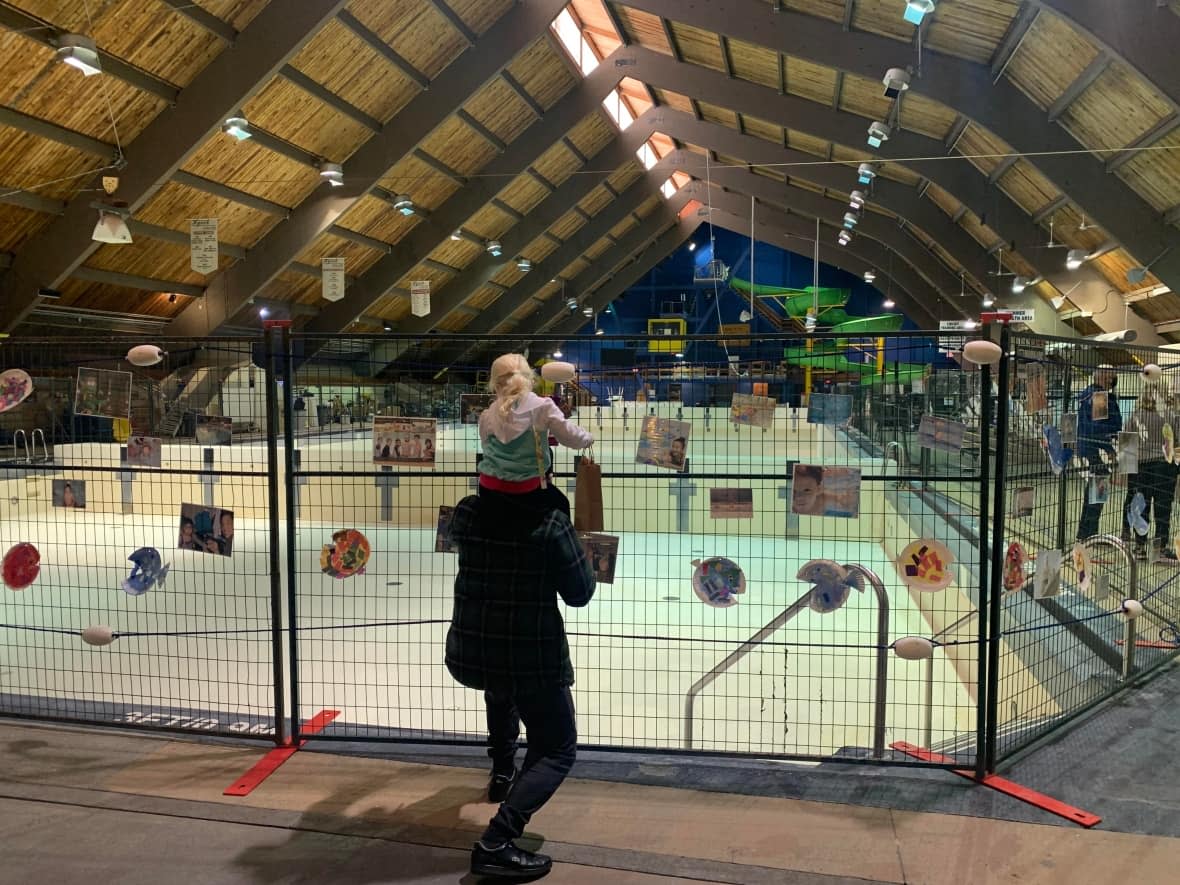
<point>844,238</point>
<point>457,235</point>
<point>494,248</point>
<point>916,10</point>
<point>692,247</point>
<point>865,173</point>
<point>1019,284</point>
<point>524,265</point>
<point>870,276</point>
<point>388,327</point>
<point>856,200</point>
<point>112,228</point>
<point>588,311</point>
<point>1075,258</point>
<point>988,301</point>
<point>333,173</point>
<point>851,220</point>
<point>571,304</point>
<point>403,204</point>
<point>889,304</point>
<point>264,312</point>
<point>600,331</point>
<point>557,354</point>
<point>897,81</point>
<point>79,51</point>
<point>878,134</point>
<point>969,325</point>
<point>237,127</point>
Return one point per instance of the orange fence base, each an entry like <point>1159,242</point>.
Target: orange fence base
<point>269,764</point>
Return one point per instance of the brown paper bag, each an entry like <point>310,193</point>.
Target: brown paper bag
<point>588,496</point>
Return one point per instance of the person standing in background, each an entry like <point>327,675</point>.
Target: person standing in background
<point>1099,423</point>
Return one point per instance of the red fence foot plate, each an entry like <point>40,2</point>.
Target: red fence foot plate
<point>269,764</point>
<point>1024,794</point>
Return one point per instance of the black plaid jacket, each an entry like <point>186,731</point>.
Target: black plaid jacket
<point>514,559</point>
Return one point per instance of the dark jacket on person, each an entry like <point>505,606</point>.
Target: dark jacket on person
<point>516,555</point>
<point>1095,435</point>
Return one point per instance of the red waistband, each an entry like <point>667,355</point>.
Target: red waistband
<point>509,486</point>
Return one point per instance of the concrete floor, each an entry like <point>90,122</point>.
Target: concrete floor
<point>86,806</point>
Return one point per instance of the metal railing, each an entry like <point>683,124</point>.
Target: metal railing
<point>787,614</point>
<point>1129,631</point>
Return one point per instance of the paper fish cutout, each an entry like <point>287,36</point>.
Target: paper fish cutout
<point>717,581</point>
<point>149,571</point>
<point>1135,511</point>
<point>832,584</point>
<point>22,564</point>
<point>347,555</point>
<point>926,566</point>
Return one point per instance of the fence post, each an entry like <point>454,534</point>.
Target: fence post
<point>997,552</point>
<point>292,517</point>
<point>982,701</point>
<point>274,336</point>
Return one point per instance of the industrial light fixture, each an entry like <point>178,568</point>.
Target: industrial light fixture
<point>388,327</point>
<point>897,81</point>
<point>878,134</point>
<point>916,10</point>
<point>856,200</point>
<point>969,325</point>
<point>679,356</point>
<point>851,220</point>
<point>1019,284</point>
<point>845,238</point>
<point>237,127</point>
<point>264,312</point>
<point>79,51</point>
<point>457,235</point>
<point>524,265</point>
<point>587,311</point>
<point>692,247</point>
<point>600,331</point>
<point>111,228</point>
<point>571,304</point>
<point>494,249</point>
<point>557,354</point>
<point>403,204</point>
<point>988,301</point>
<point>1075,258</point>
<point>333,173</point>
<point>870,276</point>
<point>865,173</point>
<point>889,304</point>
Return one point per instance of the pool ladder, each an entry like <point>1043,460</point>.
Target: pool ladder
<point>882,653</point>
<point>30,451</point>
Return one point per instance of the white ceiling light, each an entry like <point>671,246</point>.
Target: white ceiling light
<point>845,238</point>
<point>878,134</point>
<point>916,10</point>
<point>237,127</point>
<point>557,354</point>
<point>588,311</point>
<point>870,276</point>
<point>969,325</point>
<point>851,220</point>
<point>988,301</point>
<point>897,81</point>
<point>692,247</point>
<point>571,304</point>
<point>1075,258</point>
<point>889,304</point>
<point>524,265</point>
<point>78,51</point>
<point>403,204</point>
<point>494,248</point>
<point>1019,284</point>
<point>333,173</point>
<point>457,235</point>
<point>856,200</point>
<point>865,173</point>
<point>111,228</point>
<point>264,312</point>
<point>599,331</point>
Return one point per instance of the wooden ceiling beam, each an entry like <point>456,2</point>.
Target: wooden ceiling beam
<point>1160,130</point>
<point>484,132</point>
<point>328,97</point>
<point>205,19</point>
<point>225,192</point>
<point>1081,83</point>
<point>59,134</point>
<point>469,36</point>
<point>132,281</point>
<point>514,85</point>
<point>383,49</point>
<point>1012,41</point>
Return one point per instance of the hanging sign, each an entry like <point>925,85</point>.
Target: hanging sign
<point>420,297</point>
<point>202,237</point>
<point>952,342</point>
<point>332,271</point>
<point>1023,316</point>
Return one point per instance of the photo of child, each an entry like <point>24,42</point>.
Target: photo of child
<point>404,441</point>
<point>103,393</point>
<point>663,443</point>
<point>1024,500</point>
<point>69,493</point>
<point>826,491</point>
<point>206,529</point>
<point>602,551</point>
<point>442,535</point>
<point>144,451</point>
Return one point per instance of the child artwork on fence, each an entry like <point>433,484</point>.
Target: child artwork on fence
<point>602,551</point>
<point>103,393</point>
<point>663,443</point>
<point>144,451</point>
<point>206,529</point>
<point>826,491</point>
<point>404,441</point>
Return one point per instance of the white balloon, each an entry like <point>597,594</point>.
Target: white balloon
<point>1152,372</point>
<point>98,634</point>
<point>982,352</point>
<point>558,373</point>
<point>1132,608</point>
<point>913,648</point>
<point>144,355</point>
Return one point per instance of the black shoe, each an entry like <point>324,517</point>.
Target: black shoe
<point>500,786</point>
<point>508,862</point>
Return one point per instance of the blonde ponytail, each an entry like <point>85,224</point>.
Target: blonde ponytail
<point>512,377</point>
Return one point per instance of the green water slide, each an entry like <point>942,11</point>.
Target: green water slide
<point>829,356</point>
<point>796,302</point>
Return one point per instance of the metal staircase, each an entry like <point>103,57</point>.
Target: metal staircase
<point>200,390</point>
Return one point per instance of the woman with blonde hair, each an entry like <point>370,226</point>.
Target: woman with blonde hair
<point>1156,476</point>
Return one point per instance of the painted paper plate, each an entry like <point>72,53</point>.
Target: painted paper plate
<point>15,387</point>
<point>347,555</point>
<point>926,566</point>
<point>832,584</point>
<point>22,564</point>
<point>1014,561</point>
<point>716,581</point>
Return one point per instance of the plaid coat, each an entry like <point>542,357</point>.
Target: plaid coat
<point>515,557</point>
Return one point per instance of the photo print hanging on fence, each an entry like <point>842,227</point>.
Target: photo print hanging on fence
<point>603,552</point>
<point>442,533</point>
<point>214,430</point>
<point>731,503</point>
<point>941,434</point>
<point>1014,562</point>
<point>21,565</point>
<point>15,387</point>
<point>347,555</point>
<point>718,581</point>
<point>69,493</point>
<point>926,566</point>
<point>1035,395</point>
<point>144,451</point>
<point>102,393</point>
<point>148,570</point>
<point>831,584</point>
<point>1099,405</point>
<point>1024,501</point>
<point>1098,489</point>
<point>408,442</point>
<point>754,411</point>
<point>831,409</point>
<point>1137,515</point>
<point>663,443</point>
<point>1069,428</point>
<point>825,491</point>
<point>1080,557</point>
<point>206,529</point>
<point>1169,446</point>
<point>1058,454</point>
<point>1128,452</point>
<point>1047,579</point>
<point>472,405</point>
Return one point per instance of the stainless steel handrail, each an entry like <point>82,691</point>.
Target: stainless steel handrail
<point>882,664</point>
<point>928,725</point>
<point>44,445</point>
<point>16,451</point>
<point>903,460</point>
<point>1129,631</point>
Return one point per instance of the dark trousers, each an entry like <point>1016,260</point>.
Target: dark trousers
<point>548,714</point>
<point>1156,481</point>
<point>1091,513</point>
